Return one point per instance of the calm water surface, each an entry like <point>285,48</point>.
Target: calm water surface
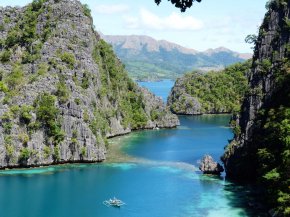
<point>164,183</point>
<point>159,88</point>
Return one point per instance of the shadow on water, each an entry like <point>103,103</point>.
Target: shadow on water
<point>246,197</point>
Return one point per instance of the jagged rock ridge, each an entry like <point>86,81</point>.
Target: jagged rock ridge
<point>62,90</point>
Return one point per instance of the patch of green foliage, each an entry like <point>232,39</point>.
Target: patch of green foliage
<point>74,139</point>
<point>99,123</point>
<point>46,152</point>
<point>56,153</point>
<point>24,138</point>
<point>15,78</point>
<point>41,71</point>
<point>6,122</point>
<point>24,32</point>
<point>25,154</point>
<point>265,66</point>
<point>68,58</point>
<point>26,114</point>
<point>3,87</point>
<point>87,10</point>
<point>218,92</point>
<point>5,56</point>
<point>77,101</point>
<point>85,81</point>
<point>47,115</point>
<point>86,116</point>
<point>2,27</point>
<point>117,86</point>
<point>273,155</point>
<point>62,92</point>
<point>83,151</point>
<point>10,150</point>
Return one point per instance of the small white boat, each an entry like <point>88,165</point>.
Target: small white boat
<point>113,202</point>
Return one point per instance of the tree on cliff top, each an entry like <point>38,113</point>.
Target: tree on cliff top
<point>182,4</point>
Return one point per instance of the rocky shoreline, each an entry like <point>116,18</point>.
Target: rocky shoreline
<point>63,93</point>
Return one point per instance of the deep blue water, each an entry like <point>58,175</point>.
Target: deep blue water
<point>164,183</point>
<point>160,88</point>
<point>196,136</point>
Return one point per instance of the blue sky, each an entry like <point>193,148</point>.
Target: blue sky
<point>209,24</point>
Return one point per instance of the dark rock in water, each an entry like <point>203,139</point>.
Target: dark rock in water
<point>209,166</point>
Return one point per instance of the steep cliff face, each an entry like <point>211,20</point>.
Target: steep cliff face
<point>62,90</point>
<point>268,68</point>
<point>260,149</point>
<point>210,93</point>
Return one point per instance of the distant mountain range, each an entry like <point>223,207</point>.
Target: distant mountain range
<point>148,59</point>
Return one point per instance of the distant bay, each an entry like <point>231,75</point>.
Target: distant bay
<point>160,88</point>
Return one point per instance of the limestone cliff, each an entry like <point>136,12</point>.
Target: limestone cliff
<point>62,90</point>
<point>260,151</point>
<point>268,69</point>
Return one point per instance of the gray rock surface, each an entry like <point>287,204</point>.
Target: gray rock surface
<point>272,46</point>
<point>71,32</point>
<point>209,166</point>
<point>181,102</point>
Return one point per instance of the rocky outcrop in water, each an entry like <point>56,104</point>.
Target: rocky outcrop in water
<point>63,92</point>
<point>209,166</point>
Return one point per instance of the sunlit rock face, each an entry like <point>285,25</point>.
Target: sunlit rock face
<point>63,91</point>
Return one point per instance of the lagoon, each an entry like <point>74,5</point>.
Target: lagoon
<point>159,179</point>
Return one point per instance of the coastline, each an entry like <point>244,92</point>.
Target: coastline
<point>114,152</point>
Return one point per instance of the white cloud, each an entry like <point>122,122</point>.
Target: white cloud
<point>174,21</point>
<point>111,8</point>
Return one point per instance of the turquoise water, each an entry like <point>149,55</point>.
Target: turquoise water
<point>148,190</point>
<point>164,182</point>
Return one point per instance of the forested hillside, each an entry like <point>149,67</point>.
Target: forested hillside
<point>148,59</point>
<point>212,92</point>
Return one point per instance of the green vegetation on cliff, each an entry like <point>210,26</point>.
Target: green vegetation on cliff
<point>266,158</point>
<point>212,92</point>
<point>115,80</point>
<point>63,91</point>
<point>260,151</point>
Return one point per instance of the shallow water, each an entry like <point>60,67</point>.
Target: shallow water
<point>162,182</point>
<point>147,189</point>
